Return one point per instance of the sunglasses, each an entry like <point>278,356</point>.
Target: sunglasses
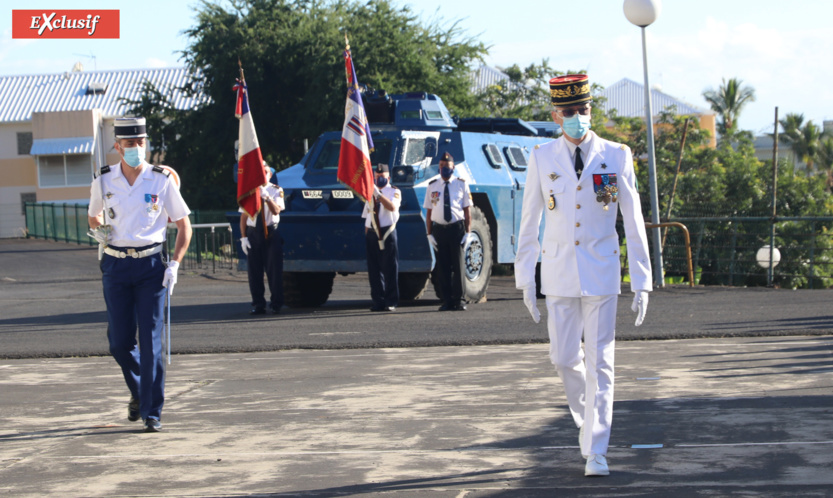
<point>572,111</point>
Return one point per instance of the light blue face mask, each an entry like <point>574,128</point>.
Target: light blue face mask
<point>576,126</point>
<point>134,156</point>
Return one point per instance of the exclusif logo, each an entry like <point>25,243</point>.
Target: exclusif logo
<point>54,24</point>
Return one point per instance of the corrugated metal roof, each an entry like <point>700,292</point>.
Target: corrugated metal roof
<point>485,76</point>
<point>628,98</point>
<point>20,96</point>
<point>74,145</point>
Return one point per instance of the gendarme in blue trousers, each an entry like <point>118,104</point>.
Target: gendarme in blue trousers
<point>383,268</point>
<point>135,300</point>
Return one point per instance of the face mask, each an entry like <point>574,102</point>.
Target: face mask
<point>134,156</point>
<point>381,182</point>
<point>576,126</point>
<point>446,172</point>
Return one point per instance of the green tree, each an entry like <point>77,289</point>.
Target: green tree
<point>728,101</point>
<point>825,162</point>
<point>291,51</point>
<point>806,144</point>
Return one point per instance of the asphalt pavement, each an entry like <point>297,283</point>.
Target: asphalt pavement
<point>341,402</point>
<point>51,305</point>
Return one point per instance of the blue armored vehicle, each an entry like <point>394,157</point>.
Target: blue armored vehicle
<point>322,225</point>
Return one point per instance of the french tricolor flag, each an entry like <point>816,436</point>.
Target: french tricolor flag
<point>354,168</point>
<point>250,174</point>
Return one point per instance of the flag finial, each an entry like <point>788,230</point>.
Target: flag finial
<point>346,42</point>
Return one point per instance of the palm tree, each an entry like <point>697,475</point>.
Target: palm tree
<point>728,101</point>
<point>791,123</point>
<point>807,143</point>
<point>826,160</point>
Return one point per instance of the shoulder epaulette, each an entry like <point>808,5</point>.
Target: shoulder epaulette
<point>104,169</point>
<point>432,181</point>
<point>160,169</point>
<point>461,179</point>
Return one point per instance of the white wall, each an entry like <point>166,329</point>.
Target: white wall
<point>8,138</point>
<point>12,221</point>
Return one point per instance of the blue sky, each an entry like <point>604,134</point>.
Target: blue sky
<point>782,49</point>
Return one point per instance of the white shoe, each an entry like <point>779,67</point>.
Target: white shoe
<point>596,466</point>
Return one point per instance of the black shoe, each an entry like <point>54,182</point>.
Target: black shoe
<point>258,311</point>
<point>460,307</point>
<point>152,425</point>
<point>133,409</point>
<point>446,307</point>
<point>276,310</point>
<point>377,308</point>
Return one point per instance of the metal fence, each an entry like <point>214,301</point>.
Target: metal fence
<point>724,251</point>
<point>723,248</point>
<point>212,246</point>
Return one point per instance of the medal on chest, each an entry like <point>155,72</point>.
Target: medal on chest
<point>605,188</point>
<point>551,201</point>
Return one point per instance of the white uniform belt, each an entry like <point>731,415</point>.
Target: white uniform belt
<point>130,252</point>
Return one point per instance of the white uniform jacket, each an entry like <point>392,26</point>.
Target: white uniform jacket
<point>580,248</point>
<point>138,213</point>
<point>386,218</point>
<point>276,193</point>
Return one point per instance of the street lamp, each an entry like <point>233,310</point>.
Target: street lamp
<point>642,13</point>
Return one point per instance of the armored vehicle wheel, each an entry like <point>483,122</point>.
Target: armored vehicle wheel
<point>412,285</point>
<point>477,261</point>
<point>307,290</point>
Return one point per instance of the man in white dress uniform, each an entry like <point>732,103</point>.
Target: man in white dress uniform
<point>578,182</point>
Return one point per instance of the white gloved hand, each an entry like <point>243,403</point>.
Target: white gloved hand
<point>466,240</point>
<point>101,234</point>
<point>264,194</point>
<point>432,241</point>
<point>376,192</point>
<point>245,245</point>
<point>640,306</point>
<point>170,276</point>
<point>530,300</point>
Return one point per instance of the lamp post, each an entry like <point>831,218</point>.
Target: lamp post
<point>642,13</point>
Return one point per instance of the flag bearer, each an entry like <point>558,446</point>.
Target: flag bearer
<point>381,242</point>
<point>264,247</point>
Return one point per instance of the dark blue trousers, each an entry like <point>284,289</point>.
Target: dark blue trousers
<point>383,269</point>
<point>449,254</point>
<point>266,255</point>
<point>135,301</point>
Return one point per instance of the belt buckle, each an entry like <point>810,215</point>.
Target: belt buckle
<point>132,252</point>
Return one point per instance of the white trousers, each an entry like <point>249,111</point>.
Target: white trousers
<point>587,375</point>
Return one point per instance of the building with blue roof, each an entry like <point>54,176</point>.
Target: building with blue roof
<point>56,129</point>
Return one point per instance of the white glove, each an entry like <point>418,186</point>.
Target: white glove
<point>264,194</point>
<point>170,276</point>
<point>467,238</point>
<point>245,245</point>
<point>376,192</point>
<point>640,305</point>
<point>432,241</point>
<point>101,234</point>
<point>530,300</point>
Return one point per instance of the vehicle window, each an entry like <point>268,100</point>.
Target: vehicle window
<point>328,158</point>
<point>493,155</point>
<point>516,157</point>
<point>415,151</point>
